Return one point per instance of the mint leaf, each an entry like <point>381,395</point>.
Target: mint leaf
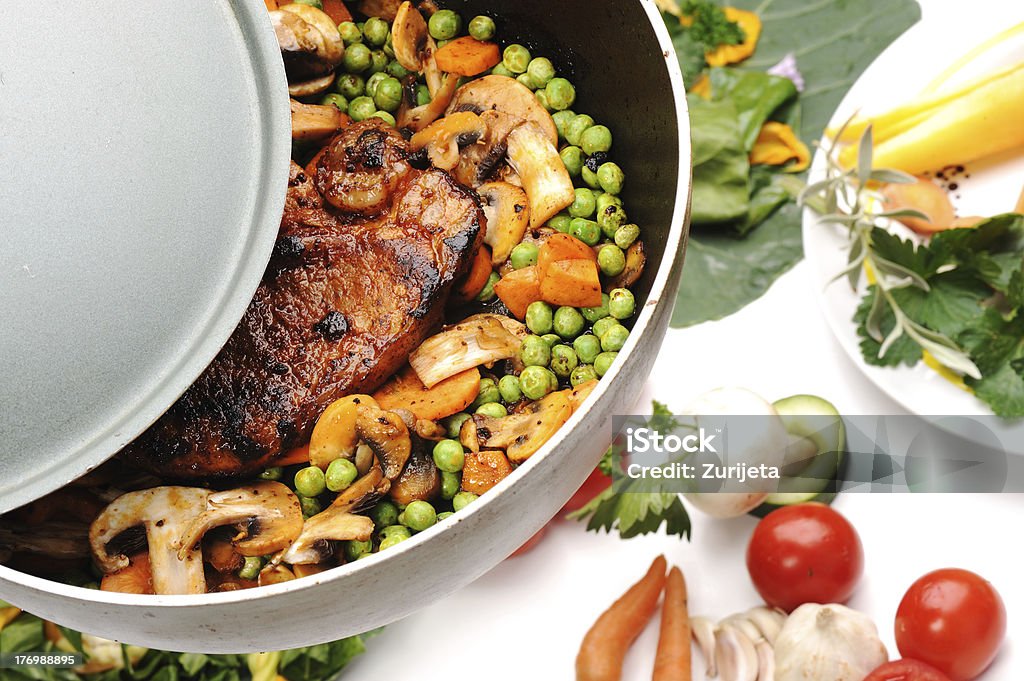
<point>996,346</point>
<point>903,351</point>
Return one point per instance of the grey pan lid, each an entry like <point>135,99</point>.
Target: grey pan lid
<point>144,151</point>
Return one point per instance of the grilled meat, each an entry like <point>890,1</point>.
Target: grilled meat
<point>355,283</point>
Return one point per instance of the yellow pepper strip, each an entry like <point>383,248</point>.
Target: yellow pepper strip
<point>963,61</point>
<point>731,54</point>
<point>982,123</point>
<point>702,88</point>
<point>8,615</point>
<point>777,145</point>
<point>944,371</point>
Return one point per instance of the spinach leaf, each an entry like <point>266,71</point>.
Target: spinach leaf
<point>755,94</point>
<point>721,169</point>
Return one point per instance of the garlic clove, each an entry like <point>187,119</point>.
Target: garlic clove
<point>735,654</point>
<point>744,624</point>
<point>765,661</point>
<point>703,631</point>
<point>768,621</point>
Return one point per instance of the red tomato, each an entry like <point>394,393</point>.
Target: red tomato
<point>591,487</point>
<point>530,543</point>
<point>806,553</point>
<point>952,619</point>
<point>906,670</point>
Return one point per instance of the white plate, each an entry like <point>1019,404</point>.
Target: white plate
<point>905,68</point>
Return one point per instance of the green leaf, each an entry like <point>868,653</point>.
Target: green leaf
<point>721,169</point>
<point>23,635</point>
<point>724,273</point>
<point>767,195</point>
<point>903,351</point>
<point>192,663</point>
<point>755,94</point>
<point>689,51</point>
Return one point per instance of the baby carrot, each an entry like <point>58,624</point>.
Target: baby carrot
<point>605,645</point>
<point>672,662</point>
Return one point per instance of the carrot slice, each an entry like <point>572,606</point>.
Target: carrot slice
<point>475,281</point>
<point>518,289</point>
<point>295,456</point>
<point>271,4</point>
<point>137,578</point>
<point>672,662</point>
<point>336,10</point>
<point>483,470</point>
<point>571,282</point>
<point>562,247</point>
<point>605,645</point>
<point>450,396</point>
<point>467,56</point>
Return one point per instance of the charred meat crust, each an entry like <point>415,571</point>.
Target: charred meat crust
<point>345,299</point>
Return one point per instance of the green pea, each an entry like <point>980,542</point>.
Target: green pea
<point>614,338</point>
<point>574,131</point>
<point>378,62</point>
<point>350,85</point>
<point>442,43</point>
<point>535,382</point>
<point>493,409</point>
<point>552,339</point>
<point>611,177</point>
<point>560,223</point>
<point>251,567</point>
<point>422,95</point>
<point>396,70</point>
<point>603,324</point>
<point>568,322</point>
<point>361,108</point>
<point>350,33</point>
<point>621,303</point>
<point>605,199</point>
<point>388,94</point>
<point>611,260</point>
<point>312,3</point>
<point>626,235</point>
<point>587,347</point>
<point>585,230</point>
<point>310,506</point>
<point>375,30</point>
<point>539,317</point>
<point>420,515</point>
<point>563,360</point>
<point>445,24</point>
<point>561,93</point>
<point>582,374</point>
<point>449,456</point>
<point>395,534</point>
<point>488,393</point>
<point>502,70</point>
<point>340,474</point>
<point>592,314</point>
<point>572,157</point>
<point>509,388</point>
<point>450,485</point>
<point>610,219</point>
<point>463,499</point>
<point>386,117</point>
<point>310,482</point>
<point>488,294</point>
<point>541,70</point>
<point>444,516</point>
<point>453,424</point>
<point>534,353</point>
<point>596,139</point>
<point>385,513</point>
<point>542,97</point>
<point>590,177</point>
<point>355,549</point>
<point>524,255</point>
<point>525,79</point>
<point>482,27</point>
<point>274,473</point>
<point>335,99</point>
<point>357,58</point>
<point>374,82</point>
<point>516,58</point>
<point>585,203</point>
<point>562,120</point>
<point>604,362</point>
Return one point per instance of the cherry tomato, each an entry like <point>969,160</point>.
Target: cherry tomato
<point>906,670</point>
<point>952,619</point>
<point>591,487</point>
<point>530,543</point>
<point>805,553</point>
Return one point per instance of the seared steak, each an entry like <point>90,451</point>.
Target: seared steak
<point>354,285</point>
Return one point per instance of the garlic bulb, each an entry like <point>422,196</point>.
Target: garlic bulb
<point>827,643</point>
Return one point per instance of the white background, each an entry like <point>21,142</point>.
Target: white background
<point>525,619</point>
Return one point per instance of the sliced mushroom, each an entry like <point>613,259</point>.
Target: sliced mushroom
<point>520,435</point>
<point>636,260</point>
<point>478,162</point>
<point>507,95</point>
<point>311,122</point>
<point>420,479</point>
<point>385,9</point>
<point>483,340</point>
<point>507,210</point>
<point>387,435</point>
<point>165,513</point>
<point>418,117</point>
<point>414,47</point>
<point>442,139</point>
<point>310,42</point>
<point>334,435</point>
<point>312,87</point>
<point>546,181</point>
<point>267,515</point>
